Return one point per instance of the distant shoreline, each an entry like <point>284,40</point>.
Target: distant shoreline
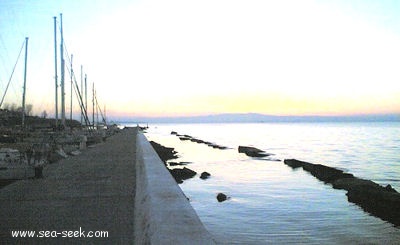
<point>262,118</point>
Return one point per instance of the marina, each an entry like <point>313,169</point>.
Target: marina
<point>267,122</point>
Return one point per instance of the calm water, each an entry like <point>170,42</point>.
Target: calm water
<point>271,203</point>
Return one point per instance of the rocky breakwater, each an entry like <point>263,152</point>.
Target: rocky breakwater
<point>185,137</point>
<point>382,202</point>
<point>165,153</point>
<point>252,151</point>
<point>168,153</point>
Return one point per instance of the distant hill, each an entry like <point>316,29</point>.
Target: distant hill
<point>260,118</point>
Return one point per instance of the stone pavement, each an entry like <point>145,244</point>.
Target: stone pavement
<point>91,192</point>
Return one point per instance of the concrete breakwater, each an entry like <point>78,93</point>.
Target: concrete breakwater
<point>131,198</point>
<point>382,202</point>
<point>163,213</point>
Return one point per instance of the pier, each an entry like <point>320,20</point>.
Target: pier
<point>100,193</point>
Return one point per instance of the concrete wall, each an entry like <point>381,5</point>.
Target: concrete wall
<point>163,215</point>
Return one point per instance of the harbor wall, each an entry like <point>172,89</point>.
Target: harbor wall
<point>163,215</point>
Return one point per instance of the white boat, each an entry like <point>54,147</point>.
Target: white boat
<point>14,165</point>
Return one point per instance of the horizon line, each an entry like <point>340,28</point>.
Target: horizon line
<point>259,118</point>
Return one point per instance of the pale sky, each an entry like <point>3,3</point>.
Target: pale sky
<point>177,58</point>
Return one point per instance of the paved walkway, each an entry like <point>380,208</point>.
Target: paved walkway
<point>90,192</point>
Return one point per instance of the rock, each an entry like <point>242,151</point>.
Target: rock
<point>165,153</point>
<point>221,197</point>
<point>178,163</point>
<point>328,174</point>
<point>377,201</point>
<point>390,189</point>
<point>383,202</point>
<point>217,146</point>
<point>252,151</point>
<point>205,175</point>
<point>196,140</point>
<point>293,163</point>
<point>244,149</point>
<point>351,183</point>
<point>181,174</point>
<point>321,172</point>
<point>184,138</point>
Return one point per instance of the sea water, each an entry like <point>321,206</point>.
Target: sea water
<point>269,203</point>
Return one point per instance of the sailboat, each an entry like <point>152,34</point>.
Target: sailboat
<point>14,164</point>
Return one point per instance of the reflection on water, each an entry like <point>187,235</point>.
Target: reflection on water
<point>270,202</point>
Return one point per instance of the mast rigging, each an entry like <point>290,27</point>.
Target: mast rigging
<point>24,92</point>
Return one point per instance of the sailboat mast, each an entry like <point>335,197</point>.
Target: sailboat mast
<point>82,92</point>
<point>97,108</point>
<point>72,74</point>
<point>105,116</point>
<point>86,107</point>
<point>93,104</point>
<point>23,95</point>
<point>55,70</point>
<point>62,75</point>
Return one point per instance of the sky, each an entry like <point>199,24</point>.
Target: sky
<point>184,58</point>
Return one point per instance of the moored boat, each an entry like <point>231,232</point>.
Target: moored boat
<point>14,165</point>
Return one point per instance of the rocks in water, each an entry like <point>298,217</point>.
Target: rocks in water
<point>390,188</point>
<point>244,149</point>
<point>293,163</point>
<point>183,138</point>
<point>351,183</point>
<point>221,197</point>
<point>383,202</point>
<point>252,151</point>
<point>181,174</point>
<point>178,163</point>
<point>205,175</point>
<point>165,153</point>
<point>270,159</point>
<point>217,146</point>
<point>186,137</point>
<point>377,201</point>
<point>321,172</point>
<point>196,140</point>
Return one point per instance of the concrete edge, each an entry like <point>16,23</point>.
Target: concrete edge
<point>163,215</point>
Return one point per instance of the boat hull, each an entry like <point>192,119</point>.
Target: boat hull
<point>16,172</point>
